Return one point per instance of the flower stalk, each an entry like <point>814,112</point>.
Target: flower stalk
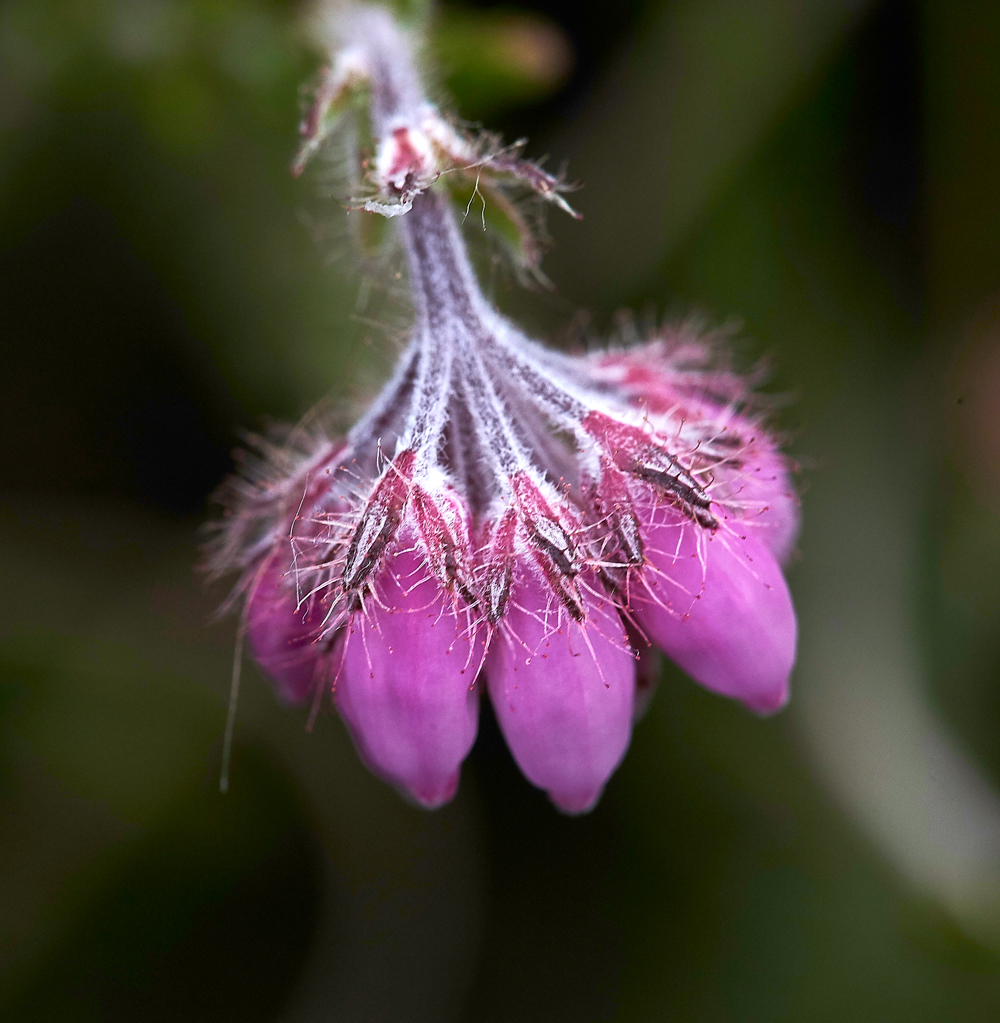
<point>505,513</point>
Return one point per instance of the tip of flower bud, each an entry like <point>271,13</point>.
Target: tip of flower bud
<point>575,803</point>
<point>766,704</point>
<point>433,797</point>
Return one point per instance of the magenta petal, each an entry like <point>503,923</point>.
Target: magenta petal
<point>405,686</point>
<point>763,493</point>
<point>563,695</point>
<point>776,525</point>
<point>282,635</point>
<point>723,612</point>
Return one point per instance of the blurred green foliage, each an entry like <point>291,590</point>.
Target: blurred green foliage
<point>492,60</point>
<point>827,172</point>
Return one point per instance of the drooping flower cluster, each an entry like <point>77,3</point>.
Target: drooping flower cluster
<point>505,516</point>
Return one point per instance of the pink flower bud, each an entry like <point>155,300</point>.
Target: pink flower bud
<point>718,605</point>
<point>291,616</point>
<point>763,498</point>
<point>749,475</point>
<point>406,685</point>
<point>563,693</point>
<point>284,634</point>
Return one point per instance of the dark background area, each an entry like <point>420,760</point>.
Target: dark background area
<point>826,173</point>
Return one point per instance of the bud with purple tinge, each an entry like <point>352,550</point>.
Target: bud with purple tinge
<point>506,518</point>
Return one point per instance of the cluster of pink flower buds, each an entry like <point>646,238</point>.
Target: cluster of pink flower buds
<point>506,515</point>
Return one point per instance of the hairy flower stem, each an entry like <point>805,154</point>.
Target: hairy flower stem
<point>442,281</point>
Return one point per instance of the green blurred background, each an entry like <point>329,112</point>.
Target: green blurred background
<point>824,172</point>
